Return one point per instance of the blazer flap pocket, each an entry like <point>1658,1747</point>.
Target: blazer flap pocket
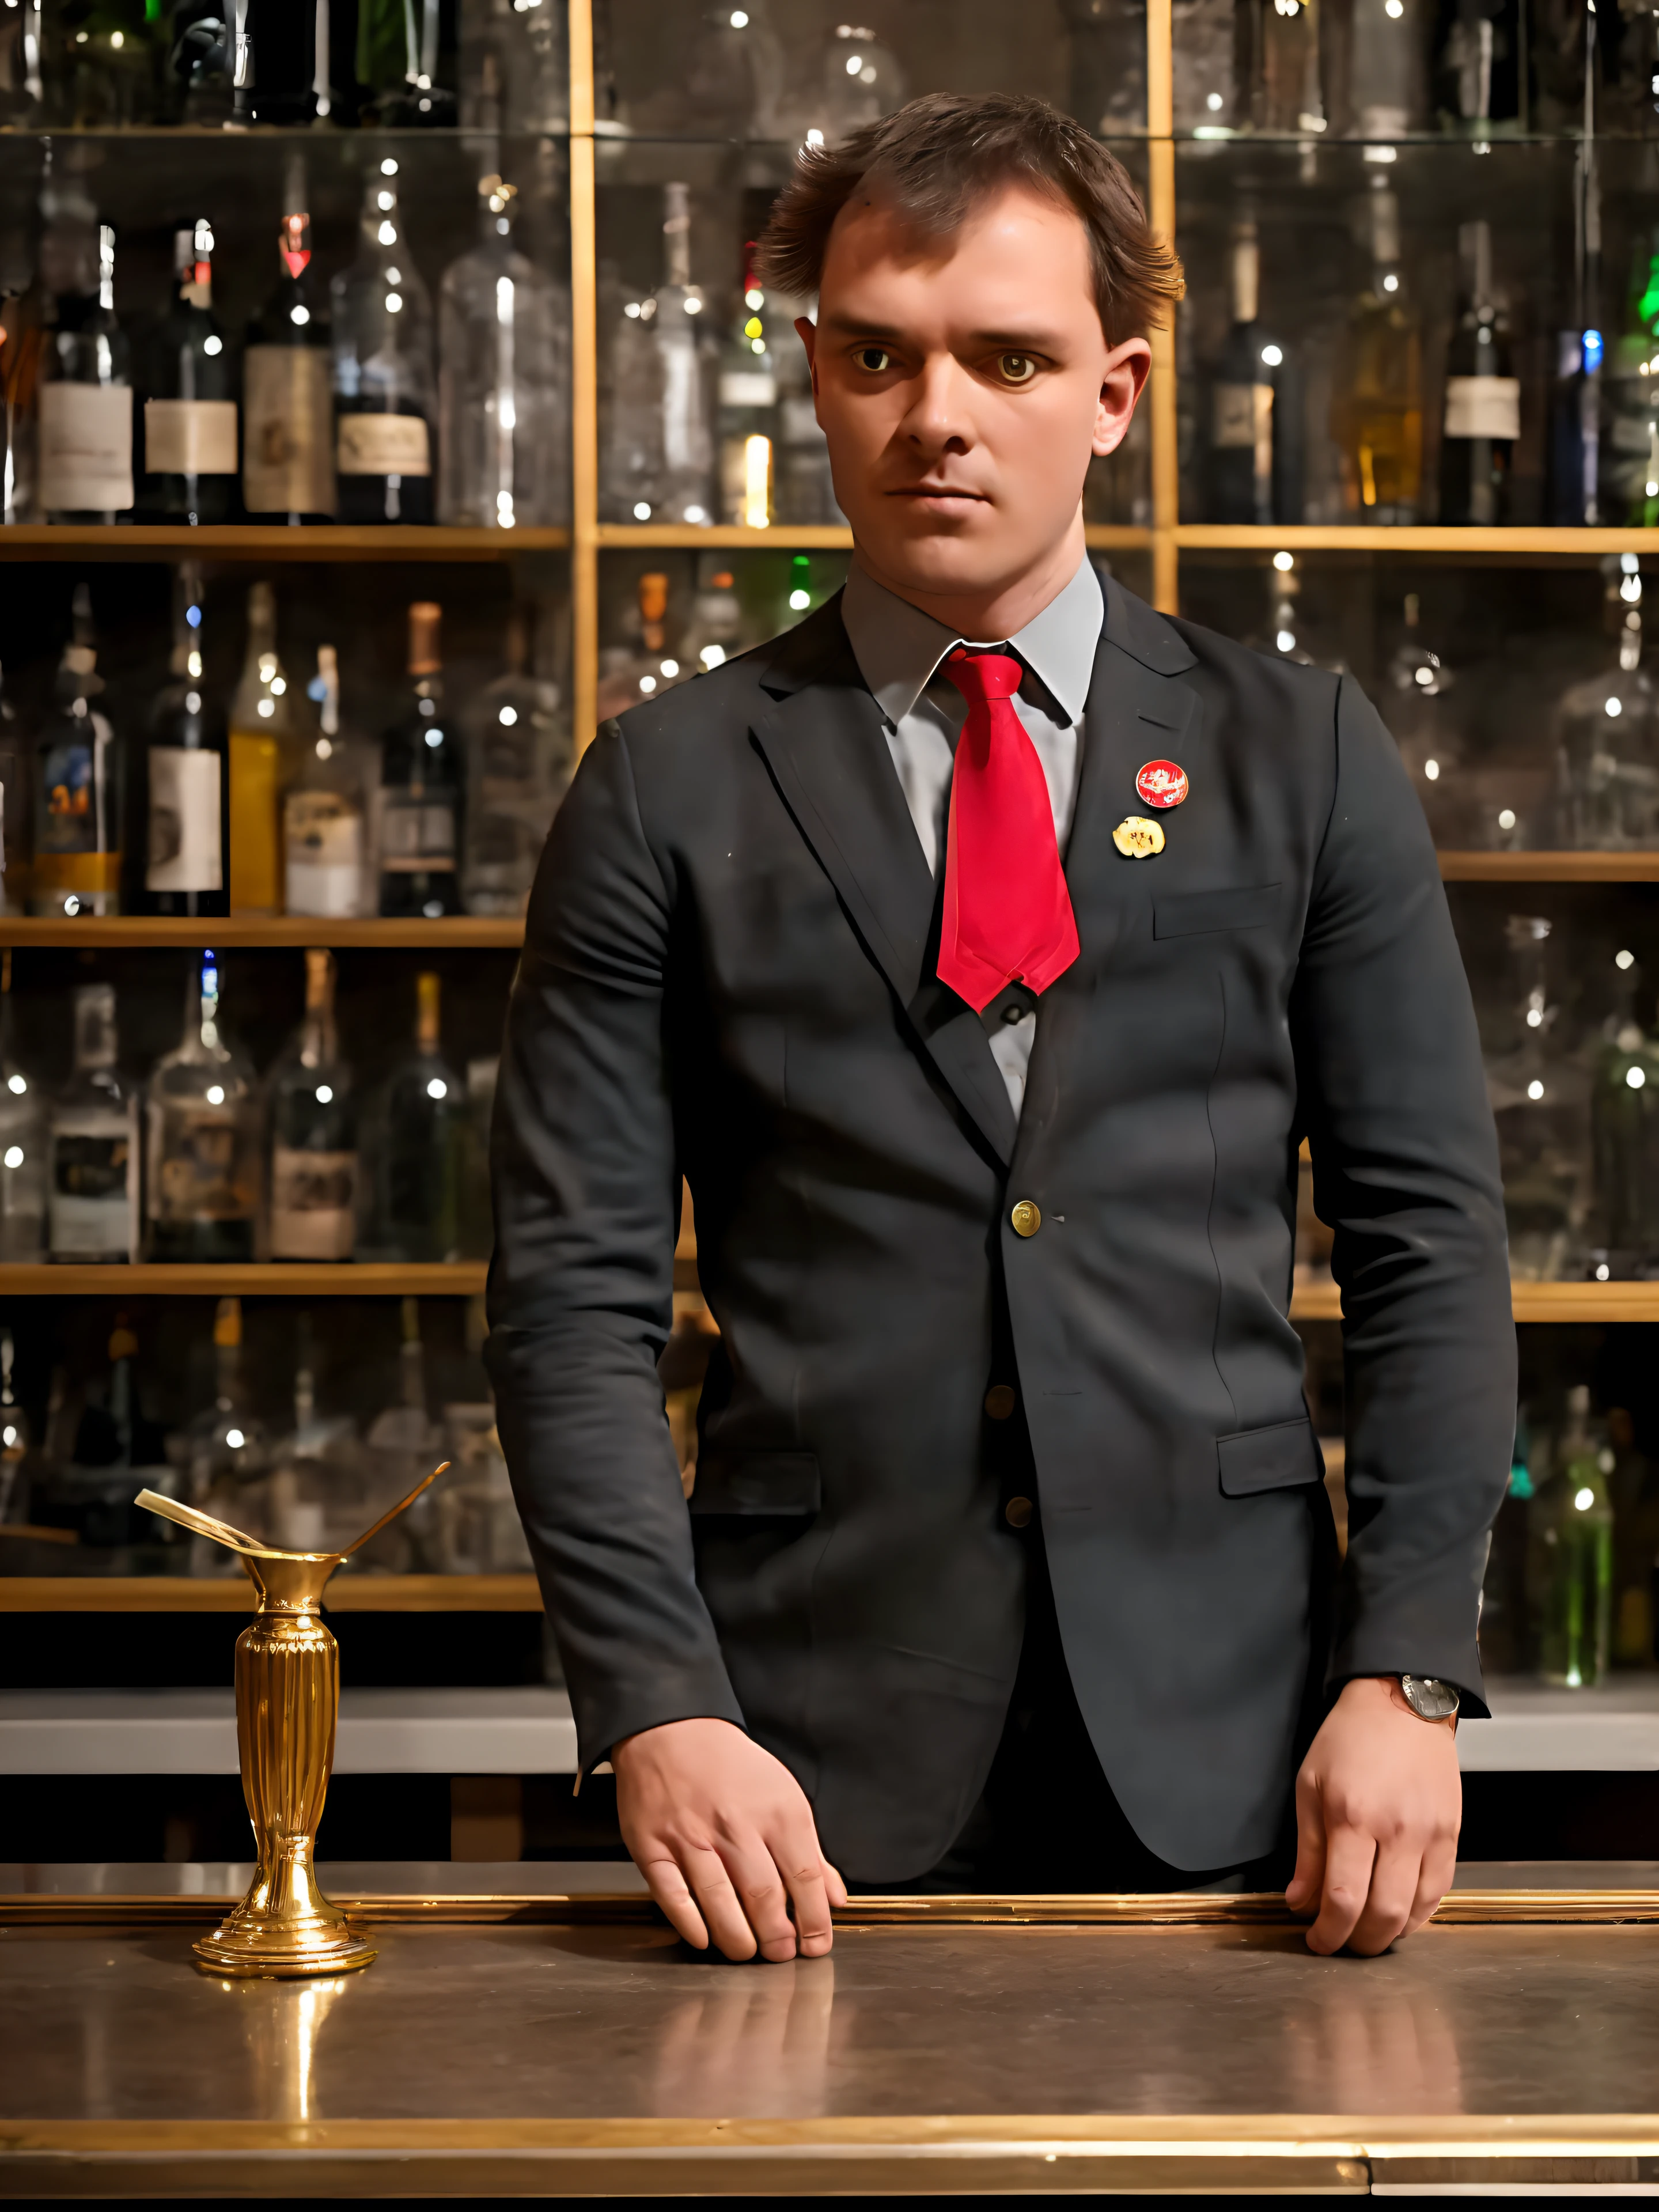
<point>1283,1457</point>
<point>1190,914</point>
<point>757,1482</point>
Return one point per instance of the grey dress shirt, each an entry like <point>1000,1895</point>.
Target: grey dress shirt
<point>898,649</point>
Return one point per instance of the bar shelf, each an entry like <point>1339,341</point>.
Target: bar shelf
<point>294,1279</point>
<point>262,541</point>
<point>461,932</point>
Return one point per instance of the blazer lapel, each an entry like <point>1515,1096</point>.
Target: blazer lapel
<point>824,742</point>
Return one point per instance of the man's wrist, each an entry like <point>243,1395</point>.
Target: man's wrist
<point>1427,1697</point>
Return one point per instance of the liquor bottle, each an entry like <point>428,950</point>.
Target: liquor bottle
<point>407,74</point>
<point>515,69</point>
<point>1415,710</point>
<point>22,1141</point>
<point>660,458</point>
<point>325,816</point>
<point>403,1443</point>
<point>1481,68</point>
<point>287,70</point>
<point>1607,737</point>
<point>190,416</point>
<point>628,673</point>
<point>421,777</point>
<point>23,311</point>
<point>503,382</point>
<point>80,786</point>
<point>1280,59</point>
<point>414,1153</point>
<point>263,734</point>
<point>203,1172</point>
<point>1625,1132</point>
<point>313,1133</point>
<point>92,1189</point>
<point>227,1450</point>
<point>1255,455</point>
<point>315,1493</point>
<point>86,404</point>
<point>1573,1515</point>
<point>1629,454</point>
<point>16,809</point>
<point>1540,1096</point>
<point>384,400</point>
<point>804,487</point>
<point>520,760</point>
<point>287,444</point>
<point>1578,398</point>
<point>188,793</point>
<point>1374,66</point>
<point>21,91</point>
<point>748,411</point>
<point>1106,64</point>
<point>1483,396</point>
<point>714,632</point>
<point>1377,410</point>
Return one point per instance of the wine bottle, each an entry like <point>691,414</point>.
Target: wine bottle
<point>1256,444</point>
<point>1483,397</point>
<point>384,401</point>
<point>92,1187</point>
<point>202,1198</point>
<point>80,786</point>
<point>313,1133</point>
<point>262,735</point>
<point>22,1140</point>
<point>325,827</point>
<point>421,788</point>
<point>520,762</point>
<point>86,404</point>
<point>1377,411</point>
<point>288,450</point>
<point>748,411</point>
<point>190,416</point>
<point>413,1147</point>
<point>188,793</point>
<point>503,382</point>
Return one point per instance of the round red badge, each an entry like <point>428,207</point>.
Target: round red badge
<point>1161,783</point>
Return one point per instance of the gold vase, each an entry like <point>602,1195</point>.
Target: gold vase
<point>288,1703</point>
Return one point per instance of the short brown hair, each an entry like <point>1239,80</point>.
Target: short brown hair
<point>936,158</point>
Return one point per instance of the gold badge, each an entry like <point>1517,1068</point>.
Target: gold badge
<point>1137,838</point>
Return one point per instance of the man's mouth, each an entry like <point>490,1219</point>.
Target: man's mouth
<point>938,491</point>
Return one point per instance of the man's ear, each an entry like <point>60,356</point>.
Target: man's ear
<point>1123,380</point>
<point>807,331</point>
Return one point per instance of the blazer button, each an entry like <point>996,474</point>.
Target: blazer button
<point>1027,1217</point>
<point>1017,1512</point>
<point>1000,1401</point>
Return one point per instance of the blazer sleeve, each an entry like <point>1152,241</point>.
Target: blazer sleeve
<point>585,1192</point>
<point>1393,1099</point>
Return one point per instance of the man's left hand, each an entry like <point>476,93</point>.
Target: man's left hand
<point>1378,1805</point>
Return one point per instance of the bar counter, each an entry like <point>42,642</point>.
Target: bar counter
<point>561,2041</point>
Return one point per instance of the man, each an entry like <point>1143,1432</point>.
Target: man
<point>981,953</point>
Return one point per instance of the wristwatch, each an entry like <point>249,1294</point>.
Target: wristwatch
<point>1429,1697</point>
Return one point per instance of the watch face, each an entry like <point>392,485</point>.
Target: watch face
<point>1430,1701</point>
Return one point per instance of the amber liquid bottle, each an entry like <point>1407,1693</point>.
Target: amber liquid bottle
<point>1377,412</point>
<point>263,730</point>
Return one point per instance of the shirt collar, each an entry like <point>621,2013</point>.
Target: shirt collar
<point>898,648</point>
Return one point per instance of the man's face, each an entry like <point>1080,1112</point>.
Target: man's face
<point>962,384</point>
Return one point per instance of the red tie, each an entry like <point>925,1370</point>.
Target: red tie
<point>1007,911</point>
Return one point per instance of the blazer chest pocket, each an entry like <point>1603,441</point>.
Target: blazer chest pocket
<point>1283,1457</point>
<point>757,1483</point>
<point>1196,914</point>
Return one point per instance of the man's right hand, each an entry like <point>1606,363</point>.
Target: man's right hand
<point>724,1834</point>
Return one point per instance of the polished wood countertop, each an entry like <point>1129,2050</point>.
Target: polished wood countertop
<point>578,2048</point>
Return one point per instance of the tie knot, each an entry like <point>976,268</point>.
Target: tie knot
<point>980,675</point>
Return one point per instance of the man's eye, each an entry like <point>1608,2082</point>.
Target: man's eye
<point>874,358</point>
<point>1016,368</point>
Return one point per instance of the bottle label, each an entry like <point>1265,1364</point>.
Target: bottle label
<point>185,851</point>
<point>201,1167</point>
<point>86,448</point>
<point>747,387</point>
<point>73,849</point>
<point>189,437</point>
<point>313,1203</point>
<point>1243,416</point>
<point>324,834</point>
<point>288,459</point>
<point>417,833</point>
<point>1483,407</point>
<point>90,1196</point>
<point>384,446</point>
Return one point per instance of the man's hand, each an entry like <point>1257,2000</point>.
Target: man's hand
<point>724,1835</point>
<point>1378,1804</point>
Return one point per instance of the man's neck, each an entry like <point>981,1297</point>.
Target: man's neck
<point>1002,611</point>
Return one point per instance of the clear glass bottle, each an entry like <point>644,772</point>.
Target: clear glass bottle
<point>1540,1096</point>
<point>79,786</point>
<point>86,404</point>
<point>413,1147</point>
<point>185,758</point>
<point>23,1149</point>
<point>188,402</point>
<point>16,805</point>
<point>1624,1130</point>
<point>92,1189</point>
<point>503,382</point>
<point>313,1133</point>
<point>1482,419</point>
<point>203,1172</point>
<point>288,402</point>
<point>1281,58</point>
<point>1106,66</point>
<point>1376,413</point>
<point>420,785</point>
<point>659,458</point>
<point>1374,67</point>
<point>414,97</point>
<point>1414,707</point>
<point>859,79</point>
<point>748,411</point>
<point>514,66</point>
<point>403,1443</point>
<point>315,1494</point>
<point>384,397</point>
<point>520,760</point>
<point>228,1450</point>
<point>263,733</point>
<point>1608,763</point>
<point>1574,1515</point>
<point>1255,427</point>
<point>325,816</point>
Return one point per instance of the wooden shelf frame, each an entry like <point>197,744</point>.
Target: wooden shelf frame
<point>348,1593</point>
<point>456,933</point>
<point>268,1278</point>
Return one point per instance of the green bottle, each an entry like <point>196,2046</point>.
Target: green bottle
<point>1576,1515</point>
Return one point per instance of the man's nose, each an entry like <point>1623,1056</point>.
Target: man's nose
<point>939,417</point>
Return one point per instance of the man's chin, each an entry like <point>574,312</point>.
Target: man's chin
<point>964,552</point>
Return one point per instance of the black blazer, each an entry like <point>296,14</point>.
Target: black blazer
<point>727,973</point>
